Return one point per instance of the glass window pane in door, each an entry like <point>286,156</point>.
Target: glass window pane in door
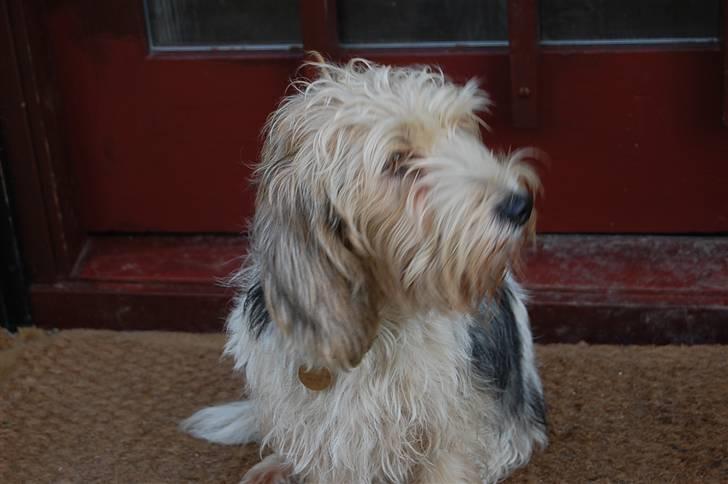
<point>422,22</point>
<point>639,21</point>
<point>222,24</point>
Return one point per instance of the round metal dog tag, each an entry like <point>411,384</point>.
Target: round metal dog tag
<point>315,379</point>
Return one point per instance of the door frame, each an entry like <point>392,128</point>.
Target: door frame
<point>14,304</point>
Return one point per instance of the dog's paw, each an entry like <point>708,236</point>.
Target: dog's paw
<point>271,470</point>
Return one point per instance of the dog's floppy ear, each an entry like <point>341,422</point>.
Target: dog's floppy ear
<point>315,288</point>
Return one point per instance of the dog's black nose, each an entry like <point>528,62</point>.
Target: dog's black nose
<point>516,208</point>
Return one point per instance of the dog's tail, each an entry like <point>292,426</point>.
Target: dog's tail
<point>231,423</point>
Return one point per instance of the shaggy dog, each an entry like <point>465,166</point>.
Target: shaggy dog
<point>381,332</point>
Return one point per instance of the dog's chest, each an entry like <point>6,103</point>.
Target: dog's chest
<point>418,376</point>
<point>411,395</point>
<point>434,351</point>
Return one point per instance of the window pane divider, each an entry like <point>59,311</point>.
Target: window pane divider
<point>319,27</point>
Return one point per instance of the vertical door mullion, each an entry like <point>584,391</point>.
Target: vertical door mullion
<point>523,39</point>
<point>318,27</point>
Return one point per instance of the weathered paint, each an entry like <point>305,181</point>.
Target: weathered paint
<point>615,289</point>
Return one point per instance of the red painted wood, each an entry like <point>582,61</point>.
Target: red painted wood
<point>119,306</point>
<point>41,174</point>
<point>523,36</point>
<point>19,160</point>
<point>647,268</point>
<point>319,27</point>
<point>668,268</point>
<point>601,289</point>
<point>192,259</point>
<point>159,143</point>
<point>651,324</point>
<point>629,290</point>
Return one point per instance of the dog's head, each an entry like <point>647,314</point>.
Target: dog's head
<point>376,195</point>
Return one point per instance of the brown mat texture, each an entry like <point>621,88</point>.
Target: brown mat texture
<point>98,406</point>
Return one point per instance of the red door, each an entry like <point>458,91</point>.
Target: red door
<point>162,111</point>
<point>151,110</point>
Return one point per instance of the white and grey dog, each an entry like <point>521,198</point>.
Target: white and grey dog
<point>381,333</point>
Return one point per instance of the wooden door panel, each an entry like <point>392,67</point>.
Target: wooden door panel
<point>635,140</point>
<point>158,142</point>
